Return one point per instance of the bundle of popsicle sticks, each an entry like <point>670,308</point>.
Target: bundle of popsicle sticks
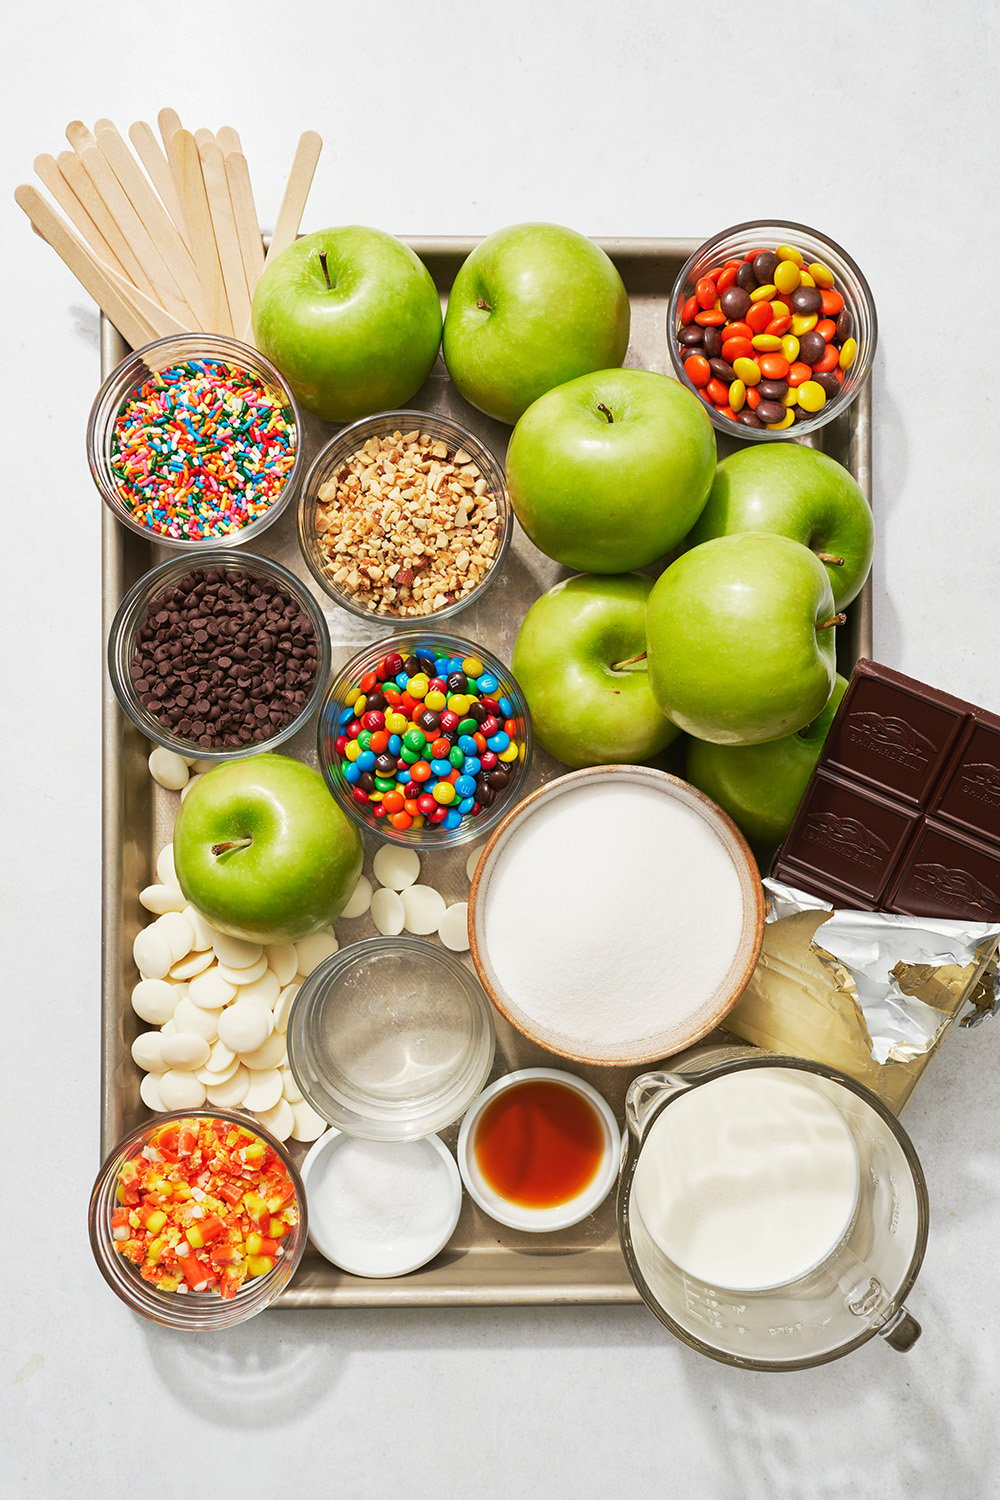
<point>173,248</point>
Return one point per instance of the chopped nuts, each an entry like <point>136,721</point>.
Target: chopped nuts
<point>406,528</point>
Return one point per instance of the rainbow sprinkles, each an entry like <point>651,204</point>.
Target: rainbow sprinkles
<point>201,449</point>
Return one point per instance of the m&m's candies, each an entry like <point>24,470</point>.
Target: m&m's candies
<point>425,740</point>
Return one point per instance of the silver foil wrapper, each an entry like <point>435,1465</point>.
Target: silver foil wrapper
<point>883,957</point>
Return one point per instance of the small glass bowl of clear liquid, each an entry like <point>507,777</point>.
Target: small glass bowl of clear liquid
<point>391,1039</point>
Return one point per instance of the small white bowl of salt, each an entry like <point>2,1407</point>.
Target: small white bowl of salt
<point>381,1208</point>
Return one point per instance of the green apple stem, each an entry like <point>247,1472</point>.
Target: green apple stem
<point>483,305</point>
<point>606,411</point>
<point>326,273</point>
<point>231,845</point>
<point>836,620</point>
<point>630,664</point>
<point>828,557</point>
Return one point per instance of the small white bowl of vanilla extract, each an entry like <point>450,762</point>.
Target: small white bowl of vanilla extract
<point>539,1150</point>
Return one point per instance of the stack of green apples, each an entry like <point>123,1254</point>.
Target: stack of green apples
<point>733,643</point>
<point>611,471</point>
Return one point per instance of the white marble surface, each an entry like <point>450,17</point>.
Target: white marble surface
<point>879,123</point>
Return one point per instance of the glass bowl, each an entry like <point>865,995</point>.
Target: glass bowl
<point>130,374</point>
<point>337,453</point>
<point>390,1039</point>
<point>132,612</point>
<point>335,714</point>
<point>195,1311</point>
<point>735,244</point>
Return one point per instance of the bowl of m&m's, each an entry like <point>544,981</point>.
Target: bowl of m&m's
<point>425,739</point>
<point>773,327</point>
<point>195,440</point>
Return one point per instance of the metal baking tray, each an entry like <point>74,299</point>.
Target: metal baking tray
<point>484,1264</point>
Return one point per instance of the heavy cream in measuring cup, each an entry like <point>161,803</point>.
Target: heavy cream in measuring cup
<point>748,1181</point>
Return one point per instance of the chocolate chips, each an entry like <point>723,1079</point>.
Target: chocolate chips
<point>224,658</point>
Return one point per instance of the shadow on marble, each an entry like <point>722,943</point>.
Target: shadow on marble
<point>917,1420</point>
<point>890,467</point>
<point>269,1371</point>
<point>260,1374</point>
<point>86,323</point>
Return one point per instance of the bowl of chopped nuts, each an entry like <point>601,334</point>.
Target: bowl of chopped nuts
<point>425,739</point>
<point>405,515</point>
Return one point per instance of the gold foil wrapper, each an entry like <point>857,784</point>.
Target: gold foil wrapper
<point>870,993</point>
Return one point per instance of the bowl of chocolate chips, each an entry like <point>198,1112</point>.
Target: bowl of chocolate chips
<point>219,660</point>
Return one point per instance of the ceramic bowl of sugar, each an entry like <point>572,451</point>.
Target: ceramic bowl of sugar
<point>616,916</point>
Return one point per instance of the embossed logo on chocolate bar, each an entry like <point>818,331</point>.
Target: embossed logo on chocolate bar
<point>981,781</point>
<point>956,888</point>
<point>846,837</point>
<point>884,734</point>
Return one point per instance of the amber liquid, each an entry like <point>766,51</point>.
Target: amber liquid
<point>539,1143</point>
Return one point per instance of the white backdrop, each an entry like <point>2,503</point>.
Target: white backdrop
<point>878,124</point>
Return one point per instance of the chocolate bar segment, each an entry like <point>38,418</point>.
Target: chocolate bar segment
<point>969,792</point>
<point>903,810</point>
<point>893,739</point>
<point>948,875</point>
<point>851,836</point>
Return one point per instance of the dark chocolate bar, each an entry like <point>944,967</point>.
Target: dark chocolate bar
<point>903,810</point>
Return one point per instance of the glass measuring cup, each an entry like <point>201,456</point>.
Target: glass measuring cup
<point>854,1291</point>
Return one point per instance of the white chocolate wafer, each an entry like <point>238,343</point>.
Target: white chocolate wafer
<point>453,929</point>
<point>423,908</point>
<point>387,912</point>
<point>395,867</point>
<point>154,1000</point>
<point>311,951</point>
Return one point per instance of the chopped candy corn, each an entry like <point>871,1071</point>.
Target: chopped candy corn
<point>203,1207</point>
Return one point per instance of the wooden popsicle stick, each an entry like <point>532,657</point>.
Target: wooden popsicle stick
<point>227,239</point>
<point>229,140</point>
<point>79,135</point>
<point>157,280</point>
<point>91,275</point>
<point>169,122</point>
<point>162,323</point>
<point>158,223</point>
<point>203,136</point>
<point>47,169</point>
<point>146,199</point>
<point>247,224</point>
<point>152,156</point>
<point>185,164</point>
<point>76,175</point>
<point>296,192</point>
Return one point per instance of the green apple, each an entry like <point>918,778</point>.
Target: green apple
<point>532,306</point>
<point>351,318</point>
<point>609,471</point>
<point>575,659</point>
<point>262,848</point>
<point>761,786</point>
<point>794,491</point>
<point>740,638</point>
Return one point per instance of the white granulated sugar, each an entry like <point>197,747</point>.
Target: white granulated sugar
<point>612,914</point>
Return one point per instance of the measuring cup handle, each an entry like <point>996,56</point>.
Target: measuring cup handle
<point>902,1331</point>
<point>645,1093</point>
